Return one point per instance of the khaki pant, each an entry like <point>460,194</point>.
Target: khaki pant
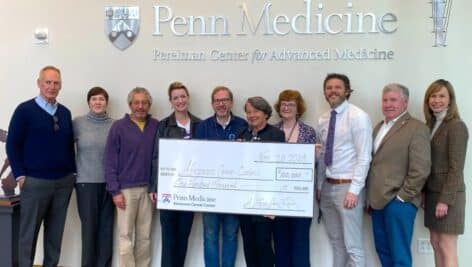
<point>344,226</point>
<point>134,224</point>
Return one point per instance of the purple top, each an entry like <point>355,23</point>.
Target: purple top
<point>128,154</point>
<point>307,134</point>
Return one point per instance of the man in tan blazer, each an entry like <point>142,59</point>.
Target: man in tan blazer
<point>400,165</point>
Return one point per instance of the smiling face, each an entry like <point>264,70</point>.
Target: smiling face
<point>439,101</point>
<point>49,84</point>
<point>179,100</point>
<point>222,104</point>
<point>288,110</point>
<point>335,92</point>
<point>256,119</point>
<point>98,104</point>
<point>139,107</point>
<point>393,104</point>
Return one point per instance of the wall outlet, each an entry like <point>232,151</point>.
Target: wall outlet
<point>424,246</point>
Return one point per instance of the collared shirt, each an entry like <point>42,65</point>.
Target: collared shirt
<point>352,145</point>
<point>225,123</point>
<point>45,105</point>
<point>140,124</point>
<point>210,129</point>
<point>386,126</point>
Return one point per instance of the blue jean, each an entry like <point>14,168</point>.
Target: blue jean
<point>292,242</point>
<point>393,231</point>
<point>211,229</point>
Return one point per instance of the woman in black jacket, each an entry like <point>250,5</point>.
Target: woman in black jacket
<point>255,229</point>
<point>175,225</point>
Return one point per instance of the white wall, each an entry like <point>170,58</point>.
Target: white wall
<point>79,47</point>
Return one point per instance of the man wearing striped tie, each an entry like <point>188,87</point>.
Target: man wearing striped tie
<point>346,137</point>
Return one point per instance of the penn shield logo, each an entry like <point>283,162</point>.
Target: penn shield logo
<point>166,198</point>
<point>122,25</point>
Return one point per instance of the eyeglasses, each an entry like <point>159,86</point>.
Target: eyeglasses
<point>56,123</point>
<point>288,105</point>
<point>221,101</point>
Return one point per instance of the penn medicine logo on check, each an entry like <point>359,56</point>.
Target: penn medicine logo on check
<point>166,198</point>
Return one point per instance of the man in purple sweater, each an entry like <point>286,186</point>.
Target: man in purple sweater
<point>128,155</point>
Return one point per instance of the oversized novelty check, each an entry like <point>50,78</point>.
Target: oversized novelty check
<point>236,177</point>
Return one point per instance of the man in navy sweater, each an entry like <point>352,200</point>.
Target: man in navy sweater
<point>40,148</point>
<point>221,126</point>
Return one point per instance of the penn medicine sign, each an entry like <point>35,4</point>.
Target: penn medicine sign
<point>308,22</point>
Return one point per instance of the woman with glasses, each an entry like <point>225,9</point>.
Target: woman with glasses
<point>94,203</point>
<point>175,225</point>
<point>292,235</point>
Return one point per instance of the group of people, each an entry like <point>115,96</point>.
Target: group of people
<point>392,168</point>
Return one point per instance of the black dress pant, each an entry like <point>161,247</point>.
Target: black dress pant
<point>175,227</point>
<point>257,240</point>
<point>96,211</point>
<point>43,201</point>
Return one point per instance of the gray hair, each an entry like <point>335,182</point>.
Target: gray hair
<point>49,67</point>
<point>139,90</point>
<point>397,87</point>
<point>261,104</point>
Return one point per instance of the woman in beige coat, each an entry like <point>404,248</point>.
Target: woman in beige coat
<point>445,190</point>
